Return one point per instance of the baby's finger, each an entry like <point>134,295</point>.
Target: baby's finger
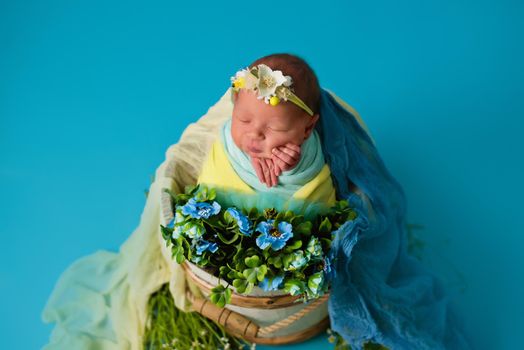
<point>266,171</point>
<point>284,156</point>
<point>258,169</point>
<point>278,170</point>
<point>275,166</point>
<point>275,172</point>
<point>294,147</point>
<point>272,176</point>
<point>291,151</point>
<point>280,164</point>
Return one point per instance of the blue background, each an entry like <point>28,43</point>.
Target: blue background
<point>92,94</point>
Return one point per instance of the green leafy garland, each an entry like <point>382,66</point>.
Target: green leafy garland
<point>272,250</point>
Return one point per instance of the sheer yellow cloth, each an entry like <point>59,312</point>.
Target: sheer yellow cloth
<point>100,301</point>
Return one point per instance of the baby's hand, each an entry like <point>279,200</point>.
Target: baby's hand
<point>264,168</point>
<point>285,157</point>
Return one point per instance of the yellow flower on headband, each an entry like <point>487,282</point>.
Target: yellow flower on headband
<point>270,85</point>
<point>239,83</point>
<point>243,79</point>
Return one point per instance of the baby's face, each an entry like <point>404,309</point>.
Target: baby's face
<point>258,127</point>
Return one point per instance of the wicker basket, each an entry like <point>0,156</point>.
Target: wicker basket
<point>263,317</point>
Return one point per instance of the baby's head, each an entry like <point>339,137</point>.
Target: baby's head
<point>258,127</point>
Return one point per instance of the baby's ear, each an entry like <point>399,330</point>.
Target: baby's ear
<point>311,124</point>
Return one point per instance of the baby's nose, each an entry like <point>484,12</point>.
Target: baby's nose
<point>256,135</point>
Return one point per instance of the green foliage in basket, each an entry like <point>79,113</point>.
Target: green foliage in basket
<point>269,249</point>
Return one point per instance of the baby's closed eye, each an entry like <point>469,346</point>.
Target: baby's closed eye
<point>279,129</point>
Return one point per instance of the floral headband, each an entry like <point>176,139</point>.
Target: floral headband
<point>272,86</point>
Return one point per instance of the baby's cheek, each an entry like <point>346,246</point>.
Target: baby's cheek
<point>272,145</point>
<point>274,141</point>
<point>285,139</point>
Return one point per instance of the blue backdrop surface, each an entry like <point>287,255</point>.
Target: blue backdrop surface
<point>92,94</point>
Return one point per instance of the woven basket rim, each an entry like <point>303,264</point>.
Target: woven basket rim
<point>244,300</point>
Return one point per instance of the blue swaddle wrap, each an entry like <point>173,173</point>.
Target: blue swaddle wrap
<point>310,164</point>
<point>381,293</point>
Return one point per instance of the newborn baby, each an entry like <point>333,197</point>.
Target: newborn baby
<point>270,135</point>
<point>269,145</point>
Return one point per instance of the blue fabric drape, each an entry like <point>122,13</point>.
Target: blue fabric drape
<point>380,293</point>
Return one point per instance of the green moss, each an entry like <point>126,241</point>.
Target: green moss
<point>170,328</point>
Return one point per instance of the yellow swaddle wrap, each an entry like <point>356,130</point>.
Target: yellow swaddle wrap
<point>218,172</point>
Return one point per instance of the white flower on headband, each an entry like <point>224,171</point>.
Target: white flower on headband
<point>270,85</point>
<point>269,80</point>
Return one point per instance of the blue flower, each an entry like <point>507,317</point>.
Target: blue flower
<point>204,245</point>
<point>199,210</point>
<point>271,284</point>
<point>274,237</point>
<point>243,222</point>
